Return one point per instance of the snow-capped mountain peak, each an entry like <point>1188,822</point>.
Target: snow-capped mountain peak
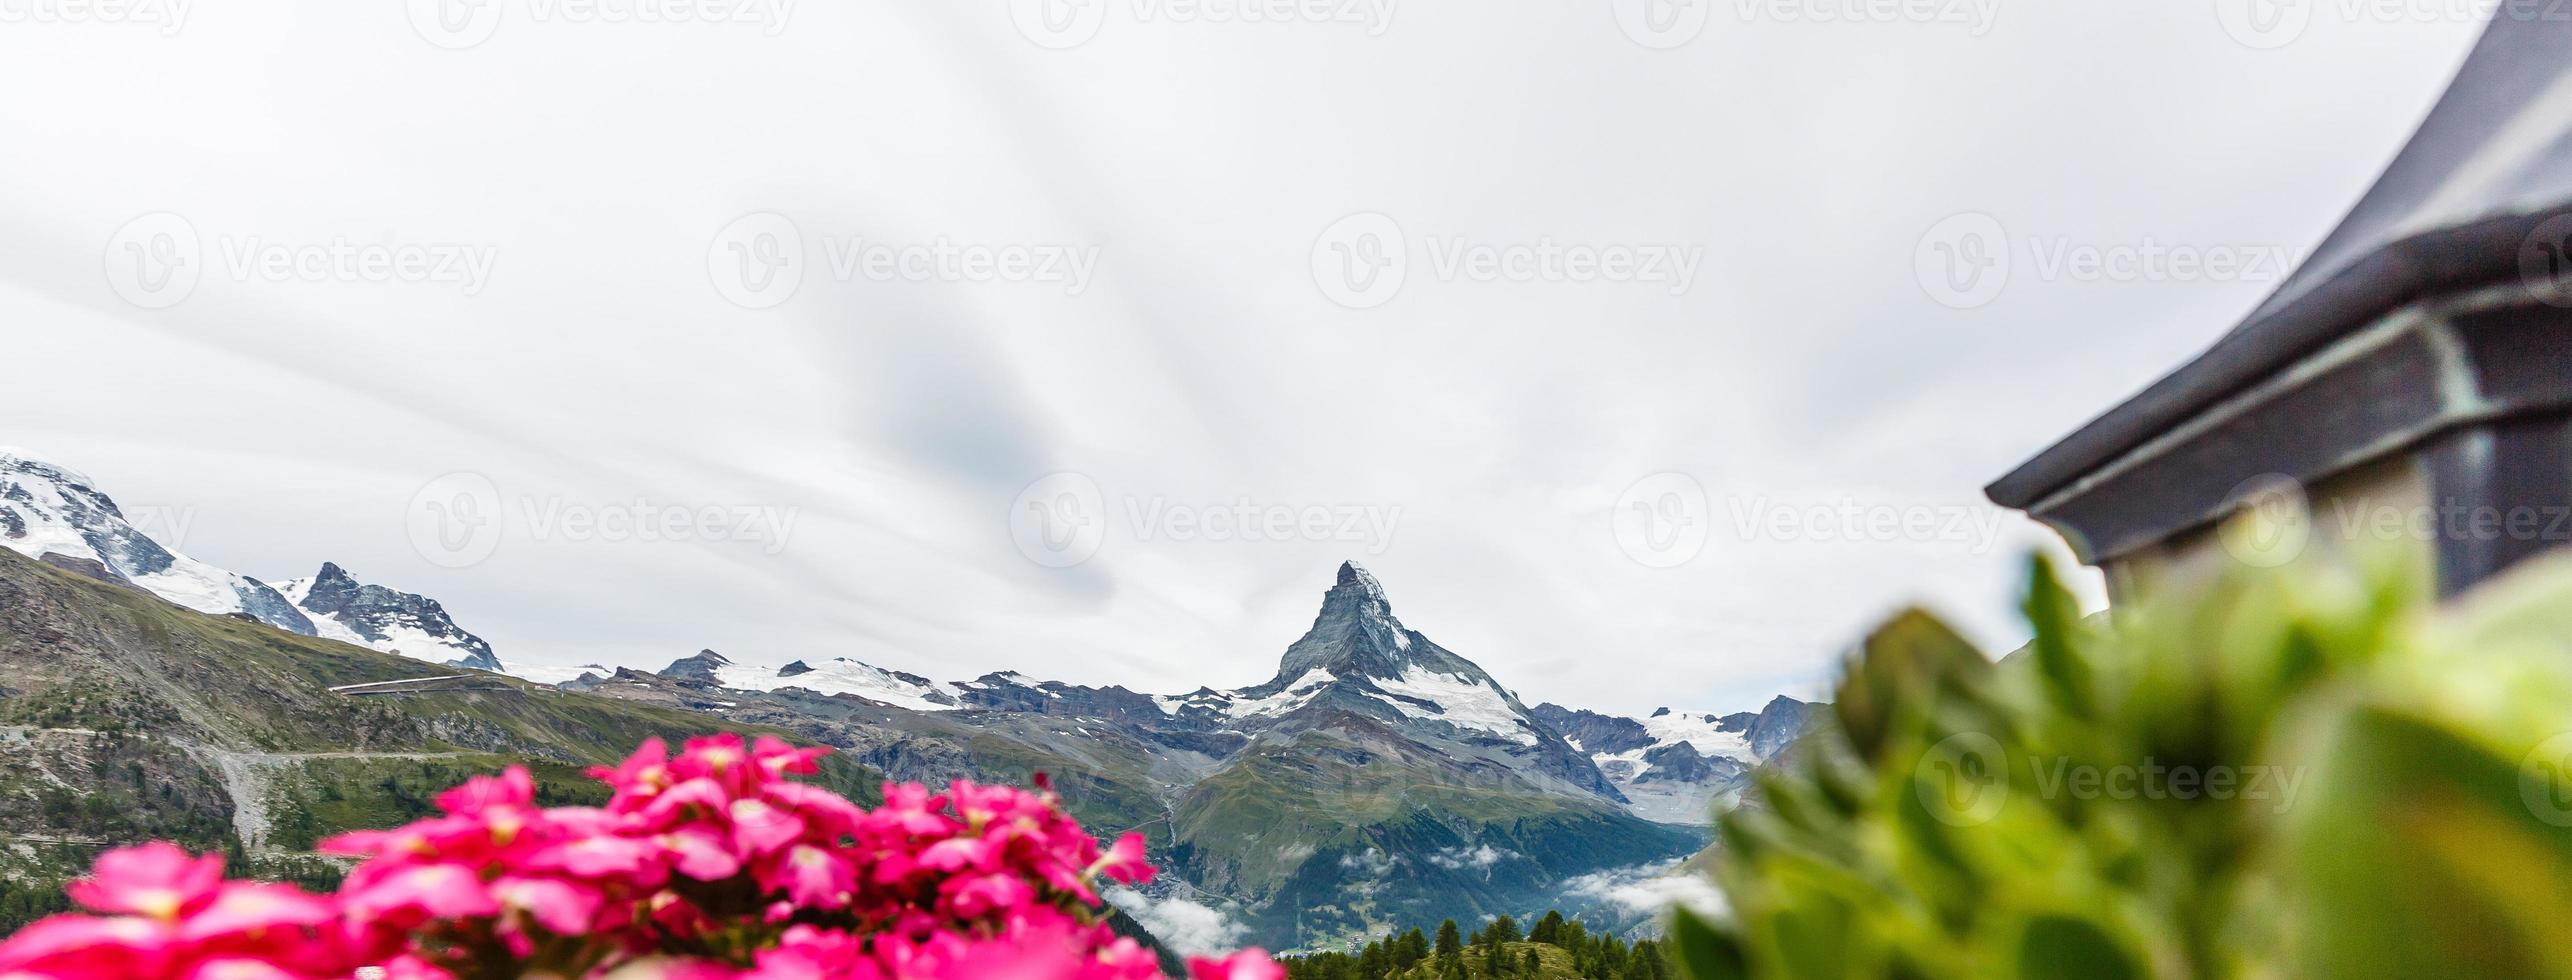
<point>56,514</point>
<point>386,619</point>
<point>838,675</point>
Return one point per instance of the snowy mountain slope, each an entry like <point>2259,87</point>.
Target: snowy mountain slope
<point>56,514</point>
<point>386,619</point>
<point>1681,768</point>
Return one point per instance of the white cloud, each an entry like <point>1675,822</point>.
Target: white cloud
<point>1199,365</point>
<point>1652,889</point>
<point>1479,856</point>
<point>1188,928</point>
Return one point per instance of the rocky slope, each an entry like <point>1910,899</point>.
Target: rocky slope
<point>1682,768</point>
<point>125,718</point>
<point>1376,780</point>
<point>389,620</point>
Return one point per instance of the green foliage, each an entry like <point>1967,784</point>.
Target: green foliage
<point>1557,949</point>
<point>2305,772</point>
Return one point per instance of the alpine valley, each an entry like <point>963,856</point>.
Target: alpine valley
<point>1377,780</point>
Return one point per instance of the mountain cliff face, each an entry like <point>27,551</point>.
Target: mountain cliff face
<point>1377,780</point>
<point>1682,768</point>
<point>57,515</point>
<point>392,621</point>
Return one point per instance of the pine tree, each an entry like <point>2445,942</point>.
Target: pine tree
<point>1534,963</point>
<point>1450,942</point>
<point>1504,930</point>
<point>1413,948</point>
<point>1549,930</point>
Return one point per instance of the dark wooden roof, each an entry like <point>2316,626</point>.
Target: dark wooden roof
<point>2492,161</point>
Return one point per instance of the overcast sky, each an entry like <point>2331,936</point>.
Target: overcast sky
<point>979,329</point>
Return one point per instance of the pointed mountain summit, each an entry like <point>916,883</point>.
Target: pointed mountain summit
<point>386,619</point>
<point>1357,635</point>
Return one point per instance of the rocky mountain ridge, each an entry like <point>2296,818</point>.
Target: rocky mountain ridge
<point>1377,779</point>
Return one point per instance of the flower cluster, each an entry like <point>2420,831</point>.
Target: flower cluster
<point>709,864</point>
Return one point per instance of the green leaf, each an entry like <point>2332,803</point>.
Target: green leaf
<point>2056,649</point>
<point>1905,665</point>
<point>2056,946</point>
<point>1706,953</point>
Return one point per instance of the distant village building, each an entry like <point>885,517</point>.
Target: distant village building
<point>2413,380</point>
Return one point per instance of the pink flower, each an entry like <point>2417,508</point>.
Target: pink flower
<point>258,910</point>
<point>699,853</point>
<point>158,880</point>
<point>715,853</point>
<point>83,946</point>
<point>985,895</point>
<point>600,856</point>
<point>1125,862</point>
<point>418,894</point>
<point>238,968</point>
<point>561,907</point>
<point>812,877</point>
<point>758,828</point>
<point>1249,964</point>
<point>512,788</point>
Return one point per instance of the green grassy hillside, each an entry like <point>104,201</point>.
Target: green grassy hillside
<point>124,718</point>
